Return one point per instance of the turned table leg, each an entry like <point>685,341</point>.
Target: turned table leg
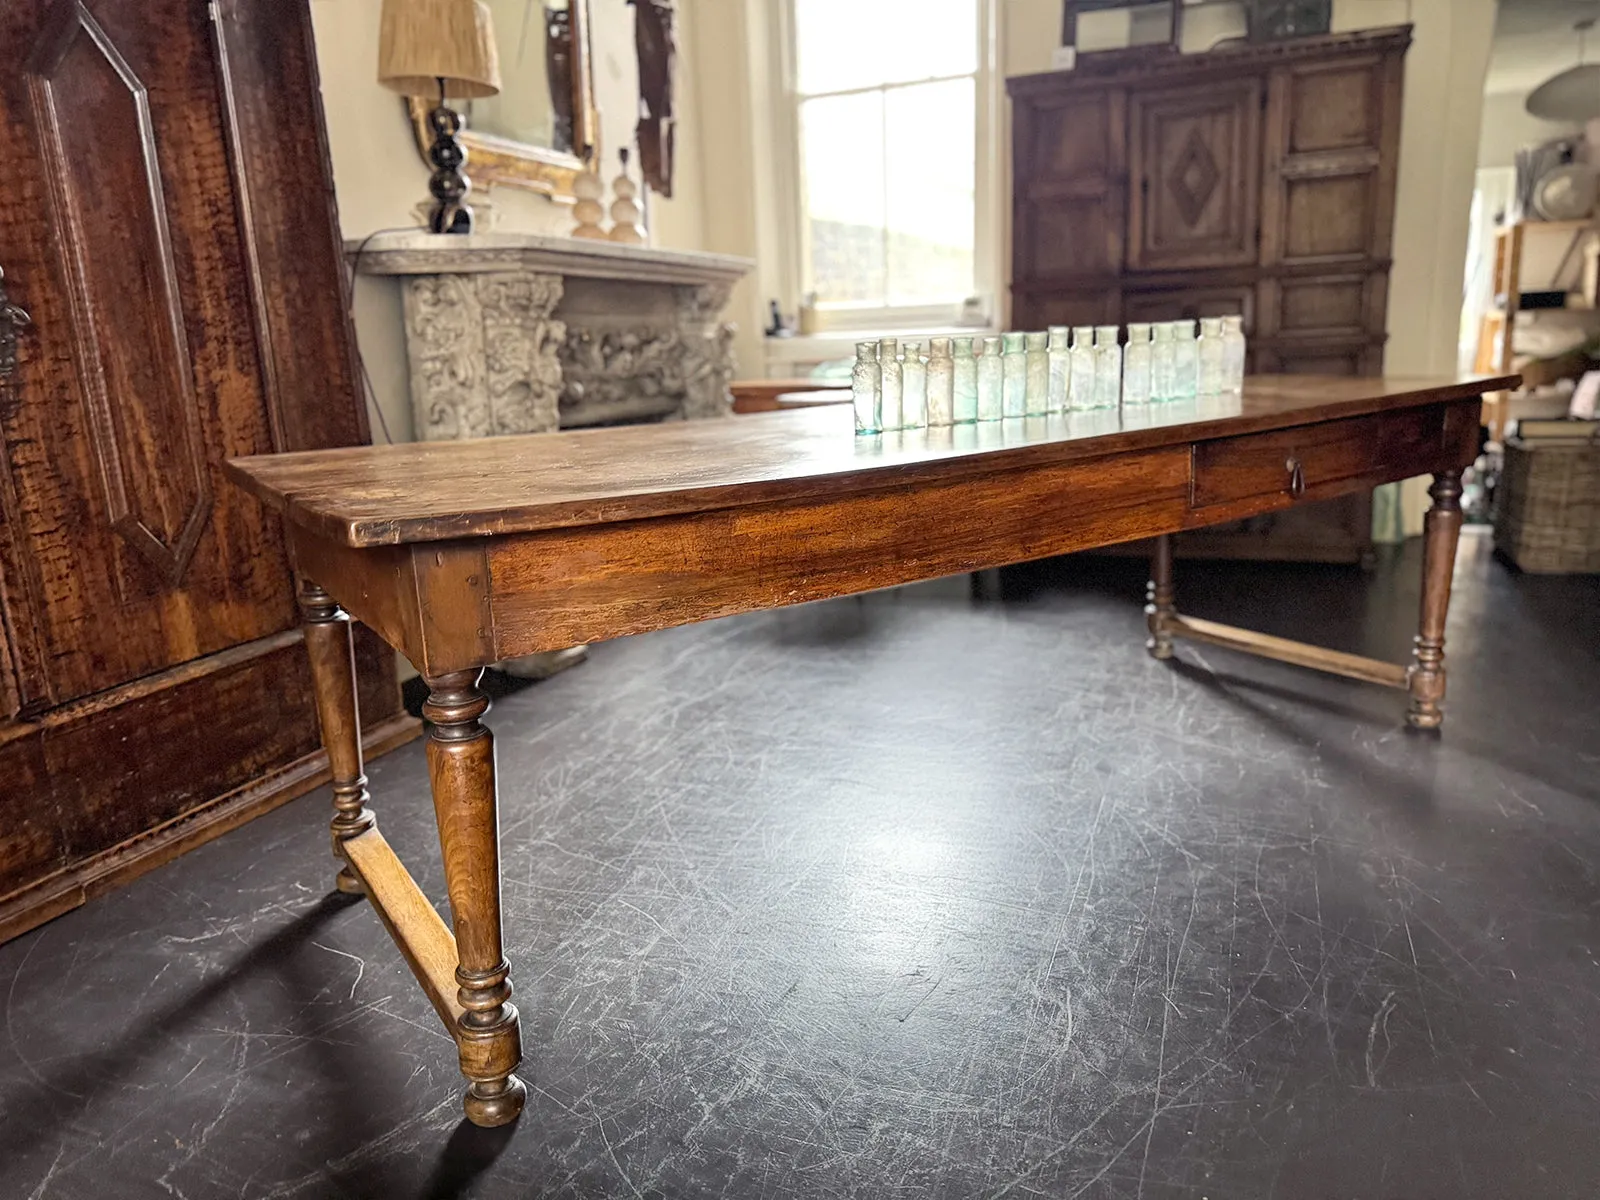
<point>333,677</point>
<point>461,768</point>
<point>1441,530</point>
<point>1162,605</point>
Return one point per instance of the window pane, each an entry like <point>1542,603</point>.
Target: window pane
<point>929,166</point>
<point>841,140</point>
<point>843,44</point>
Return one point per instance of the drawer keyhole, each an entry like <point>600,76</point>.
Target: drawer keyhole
<point>1297,478</point>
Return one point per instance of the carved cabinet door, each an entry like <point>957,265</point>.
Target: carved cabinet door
<point>1195,192</point>
<point>141,369</point>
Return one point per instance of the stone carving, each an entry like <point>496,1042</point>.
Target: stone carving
<point>618,374</point>
<point>483,351</point>
<point>707,351</point>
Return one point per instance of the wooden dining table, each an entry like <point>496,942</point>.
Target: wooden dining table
<point>462,554</point>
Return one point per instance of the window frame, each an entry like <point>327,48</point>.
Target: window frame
<point>982,308</point>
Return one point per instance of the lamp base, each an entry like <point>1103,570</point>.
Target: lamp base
<point>449,185</point>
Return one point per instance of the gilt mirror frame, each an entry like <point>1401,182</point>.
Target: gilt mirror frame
<point>500,161</point>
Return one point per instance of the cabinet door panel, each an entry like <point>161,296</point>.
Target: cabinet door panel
<point>1328,182</point>
<point>1071,173</point>
<point>1356,359</point>
<point>141,370</point>
<point>1192,303</point>
<point>1075,141</point>
<point>1196,153</point>
<point>1087,307</point>
<point>1072,235</point>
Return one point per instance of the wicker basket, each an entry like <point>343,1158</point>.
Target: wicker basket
<point>1549,508</point>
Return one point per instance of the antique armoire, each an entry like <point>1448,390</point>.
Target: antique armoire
<point>167,226</point>
<point>1257,180</point>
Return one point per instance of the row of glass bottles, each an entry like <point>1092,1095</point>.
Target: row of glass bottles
<point>1033,374</point>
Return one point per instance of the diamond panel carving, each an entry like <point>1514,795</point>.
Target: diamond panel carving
<point>1194,178</point>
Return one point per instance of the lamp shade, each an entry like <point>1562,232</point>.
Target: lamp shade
<point>421,42</point>
<point>1573,95</point>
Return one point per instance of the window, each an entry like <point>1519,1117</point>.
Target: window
<point>889,111</point>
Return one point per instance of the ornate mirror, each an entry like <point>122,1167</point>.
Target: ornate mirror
<point>536,133</point>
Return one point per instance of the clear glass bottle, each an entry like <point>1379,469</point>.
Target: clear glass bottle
<point>941,382</point>
<point>1161,362</point>
<point>991,381</point>
<point>1038,384</point>
<point>1107,367</point>
<point>1014,363</point>
<point>965,381</point>
<point>1185,361</point>
<point>889,365</point>
<point>1080,385</point>
<point>914,385</point>
<point>1233,348</point>
<point>1136,364</point>
<point>1060,356</point>
<point>1209,352</point>
<point>866,388</point>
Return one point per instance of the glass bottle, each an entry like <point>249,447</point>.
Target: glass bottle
<point>991,381</point>
<point>941,382</point>
<point>1161,362</point>
<point>1233,347</point>
<point>866,388</point>
<point>1038,383</point>
<point>914,387</point>
<point>1209,351</point>
<point>1080,384</point>
<point>965,381</point>
<point>893,389</point>
<point>1107,367</point>
<point>1136,363</point>
<point>1185,361</point>
<point>1059,354</point>
<point>1014,363</point>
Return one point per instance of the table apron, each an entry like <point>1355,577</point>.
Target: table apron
<point>459,604</point>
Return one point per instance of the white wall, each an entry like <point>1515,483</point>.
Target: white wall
<point>1506,128</point>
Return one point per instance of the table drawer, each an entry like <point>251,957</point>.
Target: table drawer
<point>1295,461</point>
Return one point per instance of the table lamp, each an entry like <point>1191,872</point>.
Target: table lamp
<point>441,50</point>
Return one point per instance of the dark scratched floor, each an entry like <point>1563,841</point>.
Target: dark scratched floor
<point>908,896</point>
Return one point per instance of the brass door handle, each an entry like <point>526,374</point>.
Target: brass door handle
<point>12,318</point>
<point>1297,478</point>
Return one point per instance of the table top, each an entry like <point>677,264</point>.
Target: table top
<point>427,491</point>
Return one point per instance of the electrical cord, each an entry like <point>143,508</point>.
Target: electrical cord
<point>369,393</point>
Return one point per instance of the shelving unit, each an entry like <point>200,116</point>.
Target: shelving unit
<point>1496,342</point>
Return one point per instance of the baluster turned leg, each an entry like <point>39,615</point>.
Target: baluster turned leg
<point>1161,606</point>
<point>1441,530</point>
<point>333,677</point>
<point>461,767</point>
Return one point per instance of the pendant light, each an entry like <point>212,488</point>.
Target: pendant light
<point>1572,95</point>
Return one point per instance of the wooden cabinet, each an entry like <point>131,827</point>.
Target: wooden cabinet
<point>1258,180</point>
<point>166,222</point>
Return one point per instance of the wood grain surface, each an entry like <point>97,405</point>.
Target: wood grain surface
<point>417,492</point>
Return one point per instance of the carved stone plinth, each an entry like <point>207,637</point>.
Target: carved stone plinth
<point>484,353</point>
<point>512,333</point>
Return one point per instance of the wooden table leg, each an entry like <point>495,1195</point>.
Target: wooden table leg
<point>1441,531</point>
<point>461,767</point>
<point>1162,603</point>
<point>333,677</point>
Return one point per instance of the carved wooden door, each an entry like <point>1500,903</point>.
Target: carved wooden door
<point>141,369</point>
<point>1196,154</point>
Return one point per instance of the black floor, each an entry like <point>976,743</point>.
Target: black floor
<point>908,896</point>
